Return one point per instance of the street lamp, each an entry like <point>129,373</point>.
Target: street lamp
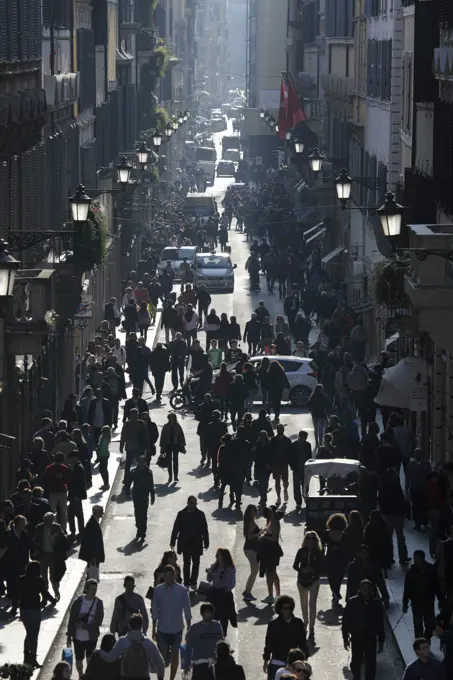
<point>186,114</point>
<point>298,146</point>
<point>267,116</point>
<point>391,215</point>
<point>276,128</point>
<point>316,159</point>
<point>175,124</point>
<point>8,268</point>
<point>142,154</point>
<point>124,171</point>
<point>288,136</point>
<point>80,204</point>
<point>343,185</point>
<point>262,114</point>
<point>180,118</point>
<point>157,138</point>
<point>271,122</point>
<point>169,130</point>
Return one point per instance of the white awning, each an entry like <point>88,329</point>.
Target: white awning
<point>405,385</point>
<point>333,254</point>
<point>312,229</point>
<point>393,338</point>
<point>318,233</point>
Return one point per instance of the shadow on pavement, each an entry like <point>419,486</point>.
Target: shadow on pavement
<point>166,489</point>
<point>229,515</point>
<point>330,617</point>
<point>132,547</point>
<point>261,615</point>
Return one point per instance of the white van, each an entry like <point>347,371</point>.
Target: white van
<point>205,158</point>
<point>215,271</point>
<point>176,256</point>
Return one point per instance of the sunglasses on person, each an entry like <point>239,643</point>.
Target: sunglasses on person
<point>298,669</point>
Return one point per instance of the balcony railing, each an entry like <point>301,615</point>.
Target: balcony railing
<point>337,85</point>
<point>443,63</point>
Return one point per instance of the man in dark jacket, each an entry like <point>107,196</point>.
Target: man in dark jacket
<point>99,414</point>
<point>421,587</point>
<point>190,534</point>
<point>212,435</point>
<point>76,493</point>
<point>362,568</point>
<point>362,627</point>
<point>50,546</point>
<point>259,424</point>
<point>203,413</point>
<point>142,482</point>
<point>92,544</point>
<point>159,364</point>
<point>241,460</point>
<point>178,351</point>
<point>280,447</point>
<point>252,334</point>
<point>136,401</point>
<point>299,453</point>
<point>283,633</point>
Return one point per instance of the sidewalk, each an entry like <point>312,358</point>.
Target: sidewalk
<point>12,634</point>
<point>402,624</point>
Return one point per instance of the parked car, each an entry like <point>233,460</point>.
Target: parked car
<point>215,271</point>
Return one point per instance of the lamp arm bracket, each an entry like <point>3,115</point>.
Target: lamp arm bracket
<point>22,240</point>
<point>422,254</point>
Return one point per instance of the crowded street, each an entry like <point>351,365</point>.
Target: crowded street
<point>123,555</point>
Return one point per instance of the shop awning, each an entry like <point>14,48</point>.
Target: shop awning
<point>330,256</point>
<point>393,338</point>
<point>316,235</point>
<point>405,385</point>
<point>312,229</point>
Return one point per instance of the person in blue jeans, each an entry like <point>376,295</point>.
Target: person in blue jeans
<point>33,595</point>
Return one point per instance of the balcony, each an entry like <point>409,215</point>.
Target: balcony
<point>429,283</point>
<point>337,86</point>
<point>443,63</point>
<point>61,90</point>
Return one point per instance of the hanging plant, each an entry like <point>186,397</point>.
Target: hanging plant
<point>90,241</point>
<point>160,59</point>
<point>388,283</point>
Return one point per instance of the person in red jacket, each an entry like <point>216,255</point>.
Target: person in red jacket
<point>222,389</point>
<point>55,482</point>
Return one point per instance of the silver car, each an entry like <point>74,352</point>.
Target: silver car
<point>215,271</point>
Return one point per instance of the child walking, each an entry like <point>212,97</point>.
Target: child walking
<point>103,455</point>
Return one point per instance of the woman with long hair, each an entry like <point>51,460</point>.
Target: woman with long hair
<point>33,595</point>
<point>270,552</point>
<point>225,667</point>
<point>222,576</point>
<point>62,671</point>
<point>378,538</point>
<point>277,382</point>
<point>16,558</point>
<point>251,532</point>
<point>318,404</point>
<point>354,532</point>
<point>337,553</point>
<point>309,564</point>
<point>282,345</point>
<point>169,557</point>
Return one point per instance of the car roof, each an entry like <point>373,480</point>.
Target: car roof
<point>282,357</point>
<point>183,249</point>
<point>223,255</point>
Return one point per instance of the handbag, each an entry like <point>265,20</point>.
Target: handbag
<point>204,588</point>
<point>162,460</point>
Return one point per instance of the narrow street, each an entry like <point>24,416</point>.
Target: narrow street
<point>124,556</point>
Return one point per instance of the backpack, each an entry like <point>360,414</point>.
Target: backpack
<point>135,661</point>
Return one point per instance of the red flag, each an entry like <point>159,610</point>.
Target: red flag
<point>290,112</point>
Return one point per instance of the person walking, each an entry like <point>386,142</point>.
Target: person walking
<point>309,564</point>
<point>139,656</point>
<point>237,396</point>
<point>212,435</point>
<point>262,455</point>
<point>49,547</point>
<point>421,587</point>
<point>225,667</point>
<point>281,448</point>
<point>393,506</point>
<point>335,541</point>
<point>178,351</point>
<point>86,616</point>
<point>34,595</point>
<point>222,577</point>
<point>76,494</point>
<point>283,633</point>
<point>201,643</point>
<point>377,537</point>
<point>363,568</point>
<point>99,413</point>
<point>55,482</point>
<point>127,604</point>
<point>299,454</point>
<point>172,443</point>
<point>363,631</point>
<point>318,404</point>
<point>425,665</point>
<point>103,455</point>
<point>270,552</point>
<point>277,382</point>
<point>251,532</point>
<point>98,665</point>
<point>142,482</point>
<point>417,472</point>
<point>135,439</point>
<point>170,604</point>
<point>15,559</point>
<point>92,544</point>
<point>190,535</point>
<point>252,334</point>
<point>159,366</point>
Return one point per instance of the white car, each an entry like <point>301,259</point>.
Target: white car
<point>302,377</point>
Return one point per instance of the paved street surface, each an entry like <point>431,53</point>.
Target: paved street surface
<point>124,556</point>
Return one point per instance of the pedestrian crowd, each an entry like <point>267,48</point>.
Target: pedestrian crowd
<point>233,370</point>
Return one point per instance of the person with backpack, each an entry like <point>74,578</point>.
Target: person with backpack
<point>85,619</point>
<point>139,655</point>
<point>127,604</point>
